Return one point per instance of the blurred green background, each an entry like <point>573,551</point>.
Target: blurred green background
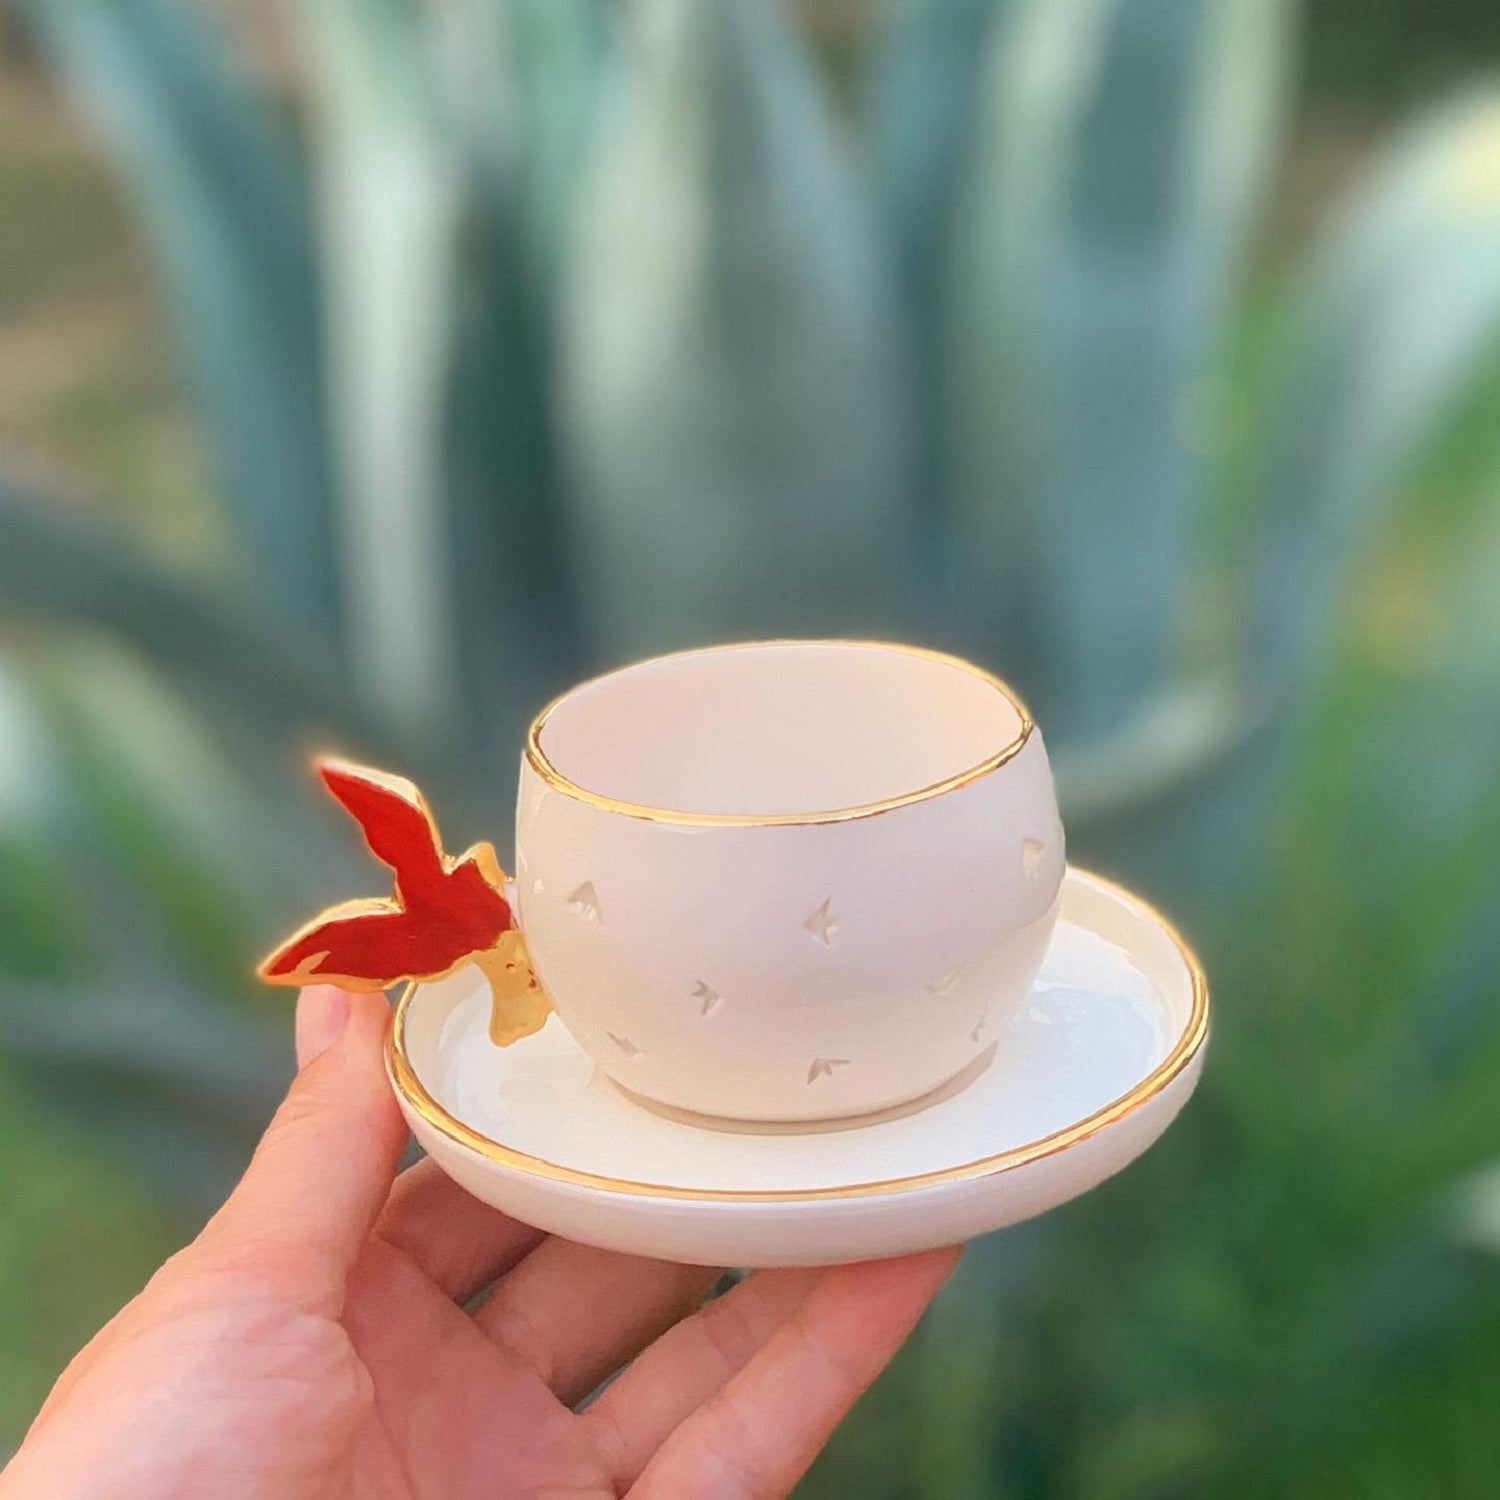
<point>370,369</point>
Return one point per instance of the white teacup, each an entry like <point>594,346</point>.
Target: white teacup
<point>787,880</point>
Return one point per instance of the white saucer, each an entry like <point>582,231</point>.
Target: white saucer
<point>1094,1067</point>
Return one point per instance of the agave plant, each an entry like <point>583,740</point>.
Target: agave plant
<point>556,332</point>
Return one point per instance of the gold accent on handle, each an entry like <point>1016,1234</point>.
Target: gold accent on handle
<point>518,1004</point>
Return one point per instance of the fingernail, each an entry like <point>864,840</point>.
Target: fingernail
<point>322,1015</point>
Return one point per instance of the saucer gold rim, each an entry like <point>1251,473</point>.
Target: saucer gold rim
<point>415,1094</point>
<point>538,760</point>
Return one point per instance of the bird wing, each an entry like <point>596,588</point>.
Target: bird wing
<point>367,944</point>
<point>394,818</point>
<point>372,944</point>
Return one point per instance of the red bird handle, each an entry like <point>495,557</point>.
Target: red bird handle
<point>445,911</point>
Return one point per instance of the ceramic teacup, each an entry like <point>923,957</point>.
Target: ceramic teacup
<point>787,880</point>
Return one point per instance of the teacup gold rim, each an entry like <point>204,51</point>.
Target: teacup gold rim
<point>538,760</point>
<point>414,1093</point>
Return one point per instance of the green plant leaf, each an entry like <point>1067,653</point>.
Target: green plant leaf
<point>220,194</point>
<point>1452,1016</point>
<point>1120,151</point>
<point>510,576</point>
<point>1474,1210</point>
<point>1454,802</point>
<point>177,1086</point>
<point>1175,738</point>
<point>561,52</point>
<point>164,802</point>
<point>391,212</point>
<point>124,843</point>
<point>56,568</point>
<point>1434,681</point>
<point>728,378</point>
<point>923,86</point>
<point>41,924</point>
<point>513,595</point>
<point>78,1238</point>
<point>920,99</point>
<point>1396,317</point>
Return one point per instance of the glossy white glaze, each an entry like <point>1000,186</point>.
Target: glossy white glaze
<point>796,970</point>
<point>1080,1079</point>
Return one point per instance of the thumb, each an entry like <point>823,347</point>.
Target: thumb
<point>326,1162</point>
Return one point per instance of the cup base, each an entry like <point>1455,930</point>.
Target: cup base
<point>801,1124</point>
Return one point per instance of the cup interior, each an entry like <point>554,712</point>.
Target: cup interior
<point>784,728</point>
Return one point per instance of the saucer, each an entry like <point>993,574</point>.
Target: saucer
<point>1094,1065</point>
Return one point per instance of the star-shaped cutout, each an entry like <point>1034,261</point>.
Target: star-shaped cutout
<point>822,1067</point>
<point>821,924</point>
<point>585,901</point>
<point>625,1045</point>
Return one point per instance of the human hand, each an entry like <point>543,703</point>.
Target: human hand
<point>313,1342</point>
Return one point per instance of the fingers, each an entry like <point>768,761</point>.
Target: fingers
<point>325,1164</point>
<point>575,1314</point>
<point>759,1434</point>
<point>689,1364</point>
<point>459,1243</point>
